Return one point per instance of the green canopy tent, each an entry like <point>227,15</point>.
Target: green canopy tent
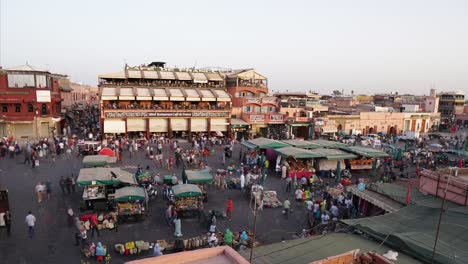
<point>297,153</point>
<point>365,152</point>
<point>105,176</point>
<point>303,144</point>
<point>98,160</point>
<point>130,194</point>
<point>264,143</point>
<point>328,143</point>
<point>186,190</point>
<point>197,176</point>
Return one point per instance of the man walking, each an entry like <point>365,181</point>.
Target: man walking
<point>62,184</point>
<point>7,220</point>
<point>40,192</point>
<point>31,222</point>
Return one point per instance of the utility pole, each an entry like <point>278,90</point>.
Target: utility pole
<point>441,212</point>
<point>254,228</point>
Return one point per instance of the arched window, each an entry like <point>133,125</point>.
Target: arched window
<point>44,109</point>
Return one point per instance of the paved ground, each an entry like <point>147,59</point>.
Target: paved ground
<point>54,241</point>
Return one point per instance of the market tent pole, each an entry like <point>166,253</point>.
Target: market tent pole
<point>338,172</point>
<point>254,227</point>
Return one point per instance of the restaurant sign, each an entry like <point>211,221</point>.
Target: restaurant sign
<point>165,114</point>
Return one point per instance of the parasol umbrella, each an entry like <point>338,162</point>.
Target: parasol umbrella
<point>157,179</point>
<point>338,172</point>
<point>374,168</point>
<point>107,151</point>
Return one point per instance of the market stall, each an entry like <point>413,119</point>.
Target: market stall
<point>99,183</point>
<point>199,177</point>
<point>98,161</point>
<point>366,157</point>
<point>186,198</point>
<point>300,161</point>
<point>266,199</point>
<point>131,203</point>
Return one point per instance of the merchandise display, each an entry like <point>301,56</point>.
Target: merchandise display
<point>186,203</point>
<point>94,192</point>
<point>130,208</point>
<point>270,199</point>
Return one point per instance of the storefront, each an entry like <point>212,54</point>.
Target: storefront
<point>239,128</point>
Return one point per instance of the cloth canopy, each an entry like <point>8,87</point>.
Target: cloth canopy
<point>130,194</point>
<point>305,144</point>
<point>296,153</point>
<point>264,143</point>
<point>366,152</point>
<point>197,176</point>
<point>186,190</point>
<point>333,154</point>
<point>104,176</point>
<point>98,160</point>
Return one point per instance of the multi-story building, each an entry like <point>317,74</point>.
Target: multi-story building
<point>251,103</point>
<point>450,105</point>
<point>431,102</point>
<point>74,94</point>
<point>152,99</point>
<point>387,122</point>
<point>30,103</point>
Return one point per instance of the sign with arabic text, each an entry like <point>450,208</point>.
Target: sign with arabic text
<point>164,114</point>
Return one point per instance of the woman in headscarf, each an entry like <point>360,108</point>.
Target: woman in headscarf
<point>157,250</point>
<point>228,237</point>
<point>213,240</point>
<point>244,238</point>
<point>178,228</point>
<point>100,250</point>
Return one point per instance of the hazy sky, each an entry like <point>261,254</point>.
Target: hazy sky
<point>366,46</point>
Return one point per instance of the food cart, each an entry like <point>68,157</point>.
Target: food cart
<point>89,147</point>
<point>99,184</point>
<point>186,198</point>
<point>131,203</point>
<point>4,204</point>
<point>98,161</point>
<point>199,177</point>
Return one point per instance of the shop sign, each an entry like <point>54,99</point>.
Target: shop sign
<point>257,118</point>
<point>165,114</point>
<point>276,118</point>
<point>269,100</point>
<point>252,100</point>
<point>43,96</point>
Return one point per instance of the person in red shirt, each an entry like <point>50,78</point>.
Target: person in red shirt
<point>94,223</point>
<point>230,207</point>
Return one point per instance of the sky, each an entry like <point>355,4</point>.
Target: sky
<point>365,46</point>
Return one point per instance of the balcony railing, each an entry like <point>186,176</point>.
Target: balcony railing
<point>164,108</point>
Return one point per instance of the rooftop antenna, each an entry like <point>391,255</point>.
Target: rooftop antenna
<point>195,65</point>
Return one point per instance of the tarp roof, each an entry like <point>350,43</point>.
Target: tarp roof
<point>264,143</point>
<point>380,200</point>
<point>307,250</point>
<point>198,176</point>
<point>366,152</point>
<point>302,143</point>
<point>186,190</point>
<point>296,153</point>
<point>98,160</point>
<point>332,154</point>
<point>413,229</point>
<point>103,176</point>
<point>328,143</point>
<point>130,194</point>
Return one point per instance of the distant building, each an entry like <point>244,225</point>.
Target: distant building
<point>152,99</point>
<point>450,105</point>
<point>431,102</point>
<point>74,94</point>
<point>30,103</point>
<point>252,104</point>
